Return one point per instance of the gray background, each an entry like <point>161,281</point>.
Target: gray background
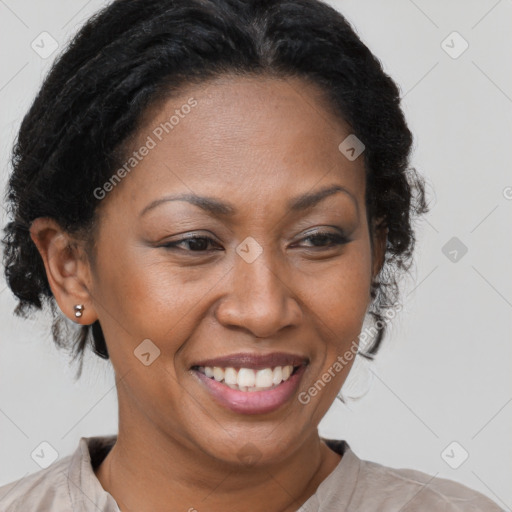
<point>444,372</point>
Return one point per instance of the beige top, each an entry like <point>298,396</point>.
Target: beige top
<point>354,485</point>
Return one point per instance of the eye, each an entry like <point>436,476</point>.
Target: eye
<point>201,244</point>
<point>326,239</point>
<point>196,244</point>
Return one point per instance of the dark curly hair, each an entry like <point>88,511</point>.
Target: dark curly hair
<point>134,53</point>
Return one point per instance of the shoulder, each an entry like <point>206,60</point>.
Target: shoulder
<point>419,491</point>
<point>46,489</point>
<point>67,484</point>
<point>382,488</point>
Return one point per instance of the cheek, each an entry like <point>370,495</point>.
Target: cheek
<point>341,291</point>
<point>144,296</point>
<point>340,303</point>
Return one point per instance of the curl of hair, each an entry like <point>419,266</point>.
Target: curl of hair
<point>133,53</point>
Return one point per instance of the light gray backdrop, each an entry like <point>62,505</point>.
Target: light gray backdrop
<point>440,392</point>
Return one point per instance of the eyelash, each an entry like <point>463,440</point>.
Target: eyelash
<point>337,239</point>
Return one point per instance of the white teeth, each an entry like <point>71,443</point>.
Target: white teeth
<point>264,378</point>
<point>277,375</point>
<point>230,376</point>
<point>247,379</point>
<point>218,373</point>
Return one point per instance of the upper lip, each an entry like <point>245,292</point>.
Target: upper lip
<point>254,361</point>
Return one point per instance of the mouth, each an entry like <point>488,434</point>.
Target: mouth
<point>251,384</point>
<point>247,379</point>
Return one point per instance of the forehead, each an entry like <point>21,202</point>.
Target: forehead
<point>252,135</point>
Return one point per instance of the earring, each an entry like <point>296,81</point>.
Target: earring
<point>78,310</point>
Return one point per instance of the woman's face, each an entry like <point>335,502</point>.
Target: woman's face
<point>257,288</point>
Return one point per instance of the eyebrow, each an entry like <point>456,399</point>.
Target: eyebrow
<point>219,208</point>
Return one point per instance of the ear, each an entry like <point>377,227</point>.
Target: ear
<point>380,238</point>
<point>66,267</point>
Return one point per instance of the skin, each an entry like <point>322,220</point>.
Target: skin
<point>257,143</point>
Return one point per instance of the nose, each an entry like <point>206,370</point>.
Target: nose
<point>259,300</point>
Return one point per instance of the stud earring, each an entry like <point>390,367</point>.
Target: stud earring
<point>78,310</point>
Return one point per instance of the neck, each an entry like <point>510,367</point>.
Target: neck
<point>164,475</point>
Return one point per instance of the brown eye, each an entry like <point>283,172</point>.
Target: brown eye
<point>195,244</point>
<point>326,239</point>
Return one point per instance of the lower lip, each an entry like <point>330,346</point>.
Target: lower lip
<point>252,402</point>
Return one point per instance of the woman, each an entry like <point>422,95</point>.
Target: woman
<point>217,192</point>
